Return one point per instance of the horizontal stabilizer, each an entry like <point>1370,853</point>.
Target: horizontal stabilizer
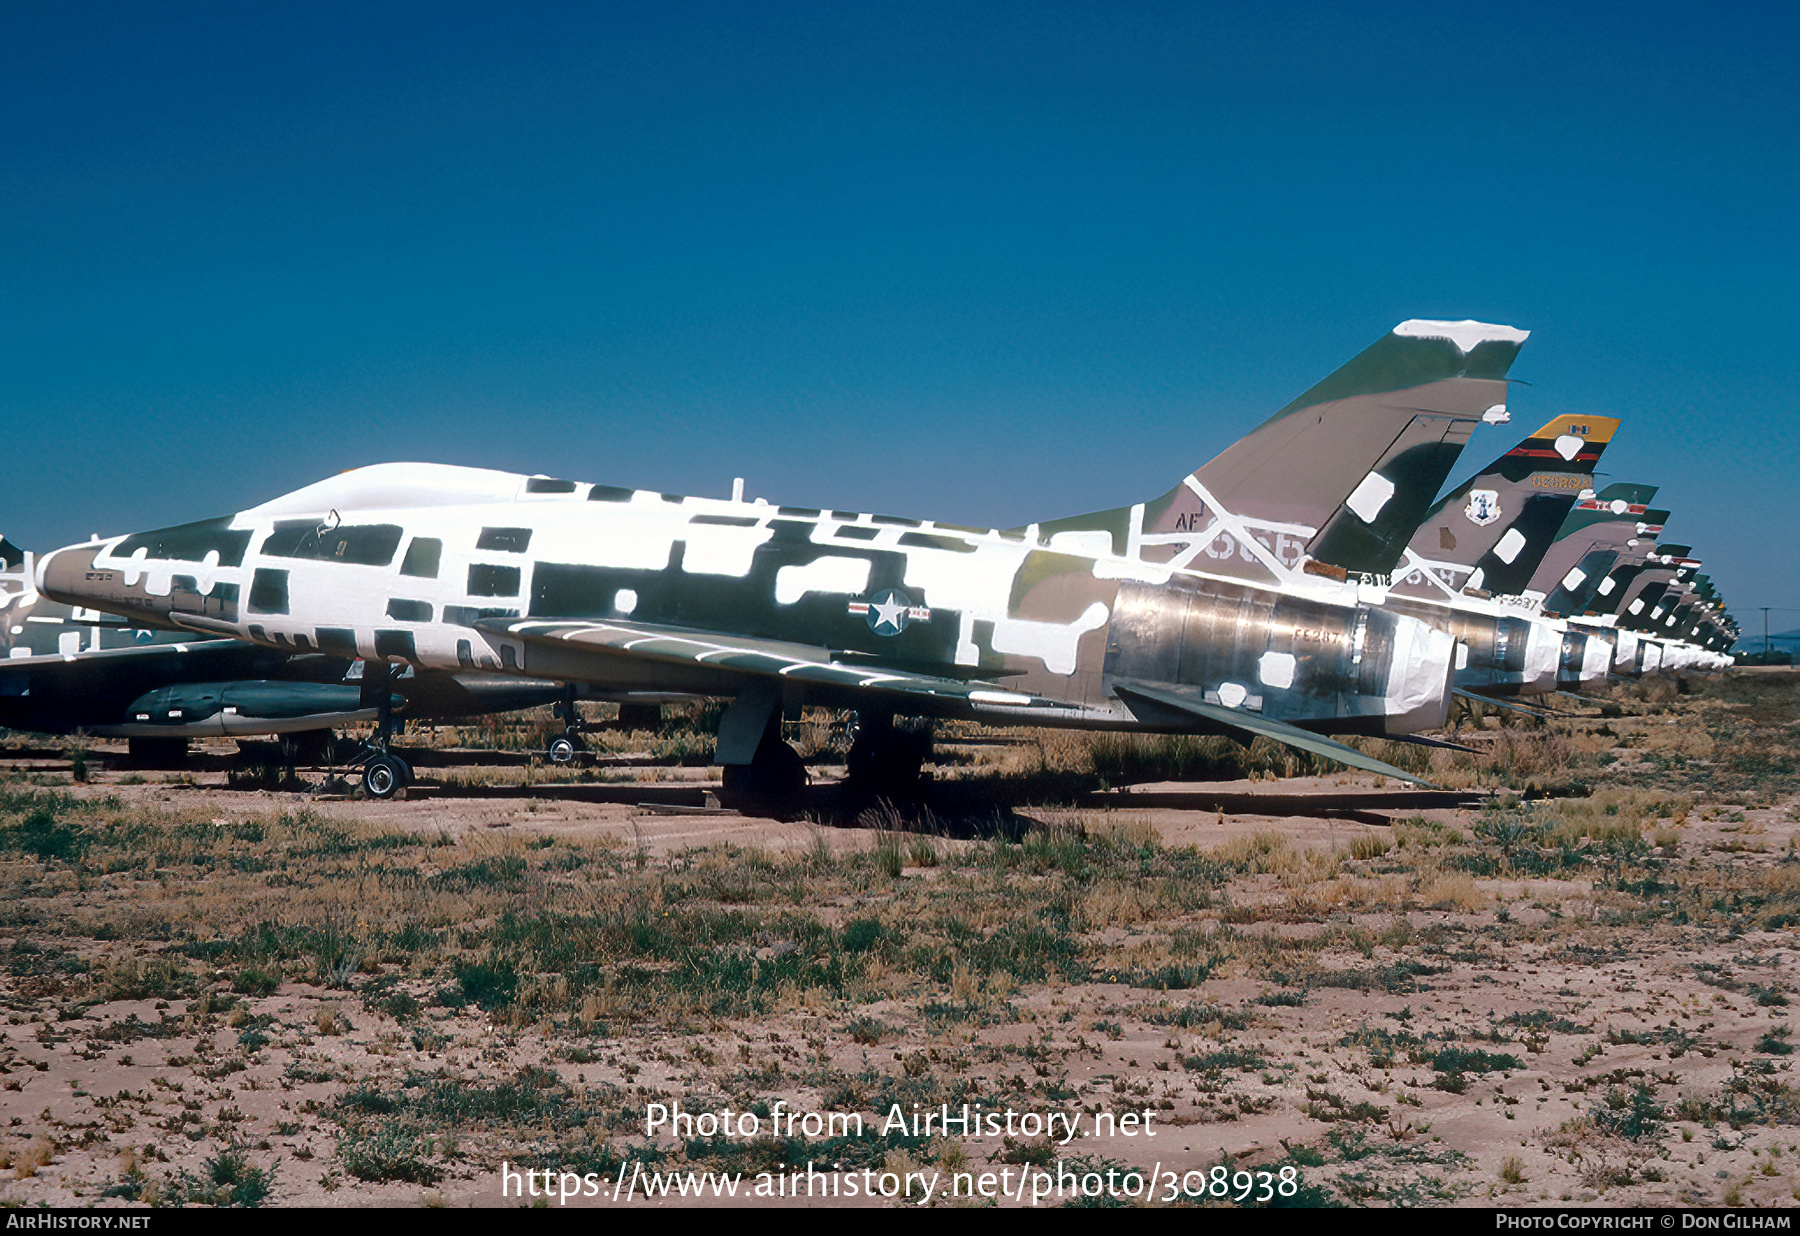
<point>1421,741</point>
<point>1583,699</point>
<point>1253,724</point>
<point>1488,699</point>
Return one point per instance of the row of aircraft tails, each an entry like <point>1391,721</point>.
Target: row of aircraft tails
<point>1307,582</point>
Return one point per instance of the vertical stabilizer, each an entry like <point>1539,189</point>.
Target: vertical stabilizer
<point>1491,532</point>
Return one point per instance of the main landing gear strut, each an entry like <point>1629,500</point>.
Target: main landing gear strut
<point>761,771</point>
<point>764,773</point>
<point>384,773</point>
<point>774,777</point>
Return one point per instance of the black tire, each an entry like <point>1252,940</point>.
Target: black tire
<point>776,779</point>
<point>562,749</point>
<point>888,763</point>
<point>385,776</point>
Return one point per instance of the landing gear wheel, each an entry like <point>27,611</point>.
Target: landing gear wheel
<point>772,782</point>
<point>777,774</point>
<point>385,775</point>
<point>562,749</point>
<point>887,763</point>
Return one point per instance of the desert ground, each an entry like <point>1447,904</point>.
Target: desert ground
<point>1563,977</point>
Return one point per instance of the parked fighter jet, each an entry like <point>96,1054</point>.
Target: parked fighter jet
<point>1468,566</point>
<point>65,669</point>
<point>1206,609</point>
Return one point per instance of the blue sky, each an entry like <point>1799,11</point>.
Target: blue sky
<point>979,262</point>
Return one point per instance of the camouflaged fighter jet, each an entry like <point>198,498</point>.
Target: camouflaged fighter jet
<point>66,669</point>
<point>1202,610</point>
<point>1468,565</point>
<point>1590,539</point>
<point>1645,607</point>
<point>1605,596</point>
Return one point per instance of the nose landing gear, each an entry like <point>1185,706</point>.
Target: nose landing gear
<point>384,773</point>
<point>570,743</point>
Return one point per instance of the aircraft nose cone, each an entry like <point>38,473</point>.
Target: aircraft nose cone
<point>70,575</point>
<point>63,574</point>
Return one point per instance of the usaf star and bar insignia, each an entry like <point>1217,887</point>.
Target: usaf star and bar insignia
<point>890,612</point>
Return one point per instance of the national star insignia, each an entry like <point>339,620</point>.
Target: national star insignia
<point>889,611</point>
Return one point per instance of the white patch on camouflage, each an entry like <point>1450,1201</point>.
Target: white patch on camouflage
<point>1574,578</point>
<point>625,600</point>
<point>1087,542</point>
<point>1465,335</point>
<point>830,574</point>
<point>1232,694</point>
<point>977,583</point>
<point>637,538</point>
<point>1370,496</point>
<point>967,651</point>
<point>1276,669</point>
<point>1569,445</point>
<point>1053,643</point>
<point>1496,415</point>
<point>719,549</point>
<point>1508,547</point>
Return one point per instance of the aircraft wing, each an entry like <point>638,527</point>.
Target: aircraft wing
<point>134,654</point>
<point>748,656</point>
<point>1253,725</point>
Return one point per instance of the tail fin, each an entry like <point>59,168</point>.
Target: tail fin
<point>1503,520</point>
<point>1578,585</point>
<point>1613,514</point>
<point>1608,521</point>
<point>1309,458</point>
<point>1347,468</point>
<point>1610,594</point>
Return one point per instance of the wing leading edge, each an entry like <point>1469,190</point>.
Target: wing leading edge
<point>748,656</point>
